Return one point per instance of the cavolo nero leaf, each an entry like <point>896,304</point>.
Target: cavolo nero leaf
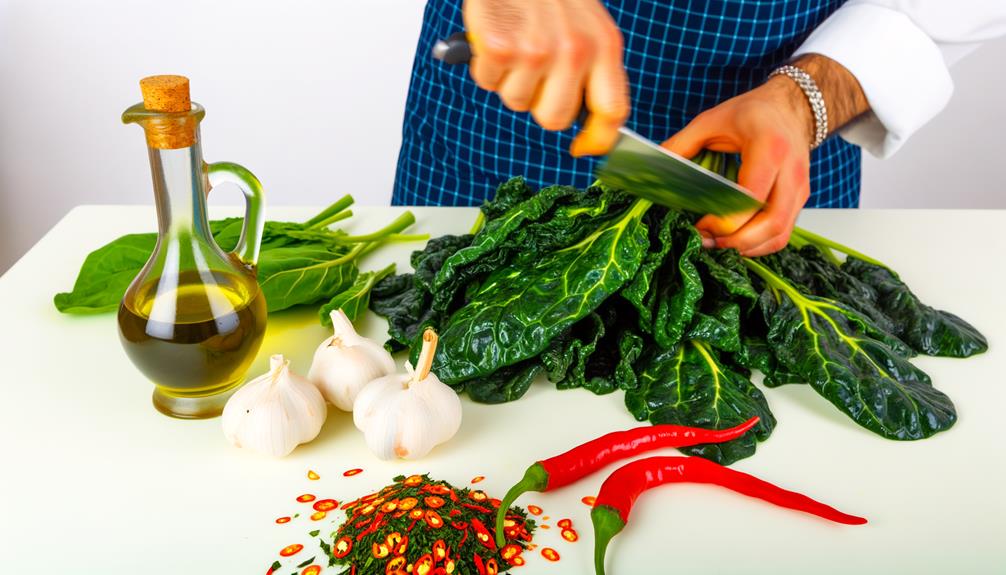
<point>925,329</point>
<point>506,384</point>
<point>833,348</point>
<point>679,289</point>
<point>690,384</point>
<point>354,300</point>
<point>519,310</point>
<point>720,328</point>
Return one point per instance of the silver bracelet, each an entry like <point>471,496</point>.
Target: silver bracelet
<point>814,98</point>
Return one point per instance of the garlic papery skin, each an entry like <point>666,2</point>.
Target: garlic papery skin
<point>406,415</point>
<point>275,412</point>
<point>347,361</point>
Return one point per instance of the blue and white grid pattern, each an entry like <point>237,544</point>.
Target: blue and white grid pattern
<point>682,56</point>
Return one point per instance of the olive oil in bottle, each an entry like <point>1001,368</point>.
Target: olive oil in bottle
<point>193,320</point>
<point>198,338</point>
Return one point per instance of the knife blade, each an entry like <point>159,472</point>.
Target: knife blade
<point>641,167</point>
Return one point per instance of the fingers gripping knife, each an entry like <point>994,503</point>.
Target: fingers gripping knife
<point>640,166</point>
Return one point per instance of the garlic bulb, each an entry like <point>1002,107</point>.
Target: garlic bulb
<point>275,412</point>
<point>406,415</point>
<point>346,362</point>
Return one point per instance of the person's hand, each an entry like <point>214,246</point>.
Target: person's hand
<point>550,57</point>
<point>772,127</point>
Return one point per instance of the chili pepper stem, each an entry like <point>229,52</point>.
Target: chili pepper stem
<point>607,523</point>
<point>535,479</point>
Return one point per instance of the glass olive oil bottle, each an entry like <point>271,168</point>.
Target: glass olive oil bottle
<point>193,320</point>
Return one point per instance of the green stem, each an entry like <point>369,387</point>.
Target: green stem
<point>773,279</point>
<point>480,221</point>
<point>407,238</point>
<point>332,219</point>
<point>401,222</point>
<point>607,523</point>
<point>535,479</point>
<point>824,242</point>
<point>339,205</point>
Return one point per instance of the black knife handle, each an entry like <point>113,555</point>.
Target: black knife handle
<point>456,50</point>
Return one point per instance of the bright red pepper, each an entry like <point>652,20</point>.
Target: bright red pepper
<point>619,492</point>
<point>342,547</point>
<point>579,462</point>
<point>478,564</point>
<point>482,534</point>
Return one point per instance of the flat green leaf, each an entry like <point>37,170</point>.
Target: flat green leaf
<point>292,276</point>
<point>353,301</point>
<point>519,310</point>
<point>926,330</point>
<point>833,348</point>
<point>105,275</point>
<point>691,385</point>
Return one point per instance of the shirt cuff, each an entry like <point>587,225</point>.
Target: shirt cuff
<point>900,68</point>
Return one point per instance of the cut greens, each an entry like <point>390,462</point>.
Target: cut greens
<point>596,289</point>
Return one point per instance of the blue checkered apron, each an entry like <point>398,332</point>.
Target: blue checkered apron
<point>682,56</point>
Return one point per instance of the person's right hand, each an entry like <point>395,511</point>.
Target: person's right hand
<point>550,57</point>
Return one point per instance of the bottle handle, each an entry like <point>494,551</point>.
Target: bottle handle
<point>247,248</point>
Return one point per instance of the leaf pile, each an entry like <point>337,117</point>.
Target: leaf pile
<point>300,263</point>
<point>422,526</point>
<point>599,290</point>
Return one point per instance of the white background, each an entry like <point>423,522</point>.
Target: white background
<point>309,94</point>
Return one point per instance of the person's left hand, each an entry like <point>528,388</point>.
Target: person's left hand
<point>772,128</point>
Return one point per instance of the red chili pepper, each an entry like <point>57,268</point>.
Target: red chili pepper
<point>411,525</point>
<point>478,508</point>
<point>342,547</point>
<point>550,554</point>
<point>510,551</point>
<point>579,462</point>
<point>459,525</point>
<point>619,492</point>
<point>325,505</point>
<point>478,564</point>
<point>482,534</point>
<point>396,566</point>
<point>439,551</point>
<point>290,550</point>
<point>312,570</point>
<point>433,519</point>
<point>564,524</point>
<point>423,565</point>
<point>454,496</point>
<point>434,502</point>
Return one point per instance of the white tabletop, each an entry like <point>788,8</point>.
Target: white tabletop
<point>94,480</point>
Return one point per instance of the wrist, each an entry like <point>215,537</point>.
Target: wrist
<point>843,96</point>
<point>793,99</point>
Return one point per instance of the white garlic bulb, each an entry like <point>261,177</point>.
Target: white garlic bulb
<point>347,361</point>
<point>406,415</point>
<point>275,412</point>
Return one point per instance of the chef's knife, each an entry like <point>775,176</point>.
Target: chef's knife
<point>641,167</point>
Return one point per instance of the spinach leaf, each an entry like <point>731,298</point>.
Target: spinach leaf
<point>520,309</point>
<point>690,384</point>
<point>291,276</point>
<point>355,299</point>
<point>835,350</point>
<point>926,330</point>
<point>106,274</point>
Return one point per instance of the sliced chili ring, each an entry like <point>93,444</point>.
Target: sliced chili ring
<point>434,502</point>
<point>352,472</point>
<point>325,504</point>
<point>312,475</point>
<point>455,512</point>
<point>459,525</point>
<point>380,550</point>
<point>509,523</point>
<point>478,495</point>
<point>510,551</point>
<point>439,571</point>
<point>416,513</point>
<point>403,546</point>
<point>318,515</point>
<point>491,567</point>
<point>399,513</point>
<point>423,565</point>
<point>495,503</point>
<point>413,480</point>
<point>438,489</point>
<point>439,551</point>
<point>282,520</point>
<point>570,535</point>
<point>589,500</point>
<point>550,554</point>
<point>534,510</point>
<point>367,510</point>
<point>306,498</point>
<point>449,566</point>
<point>564,524</point>
<point>393,538</point>
<point>290,550</point>
<point>395,565</point>
<point>478,564</point>
<point>433,519</point>
<point>389,506</point>
<point>408,503</point>
<point>342,547</point>
<point>517,561</point>
<point>349,504</point>
<point>311,570</point>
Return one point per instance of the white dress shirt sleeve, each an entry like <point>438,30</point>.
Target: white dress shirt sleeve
<point>900,51</point>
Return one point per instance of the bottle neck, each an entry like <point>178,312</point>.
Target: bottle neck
<point>180,188</point>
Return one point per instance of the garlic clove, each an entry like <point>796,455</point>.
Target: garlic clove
<point>345,362</point>
<point>275,412</point>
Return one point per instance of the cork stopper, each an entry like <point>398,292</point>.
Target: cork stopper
<point>169,95</point>
<point>166,93</point>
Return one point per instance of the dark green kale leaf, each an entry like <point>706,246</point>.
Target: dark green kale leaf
<point>692,385</point>
<point>678,288</point>
<point>640,292</point>
<point>520,309</point>
<point>720,327</point>
<point>507,384</point>
<point>849,363</point>
<point>724,272</point>
<point>405,306</point>
<point>926,330</point>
